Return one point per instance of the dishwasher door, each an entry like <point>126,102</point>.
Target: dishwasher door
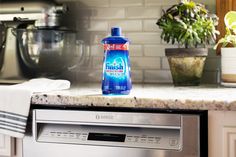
<point>70,133</point>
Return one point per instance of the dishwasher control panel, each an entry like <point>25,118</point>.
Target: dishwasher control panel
<point>132,137</point>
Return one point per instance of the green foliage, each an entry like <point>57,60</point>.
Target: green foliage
<point>230,36</point>
<point>228,40</point>
<point>189,24</point>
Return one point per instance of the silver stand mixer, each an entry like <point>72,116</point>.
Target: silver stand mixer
<point>39,15</point>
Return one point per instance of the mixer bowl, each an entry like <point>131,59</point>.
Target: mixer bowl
<point>47,52</point>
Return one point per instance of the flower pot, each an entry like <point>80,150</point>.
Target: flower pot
<point>186,65</point>
<point>228,66</point>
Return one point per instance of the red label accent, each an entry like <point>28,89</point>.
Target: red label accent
<point>116,47</point>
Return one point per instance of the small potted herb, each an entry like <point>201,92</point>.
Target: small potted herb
<point>191,26</point>
<point>228,50</point>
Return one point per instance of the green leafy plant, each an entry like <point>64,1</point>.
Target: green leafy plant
<point>189,24</point>
<point>230,37</point>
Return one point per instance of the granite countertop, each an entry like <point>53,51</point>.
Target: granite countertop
<point>144,96</point>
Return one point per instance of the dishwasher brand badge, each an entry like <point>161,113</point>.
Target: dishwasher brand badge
<point>101,116</point>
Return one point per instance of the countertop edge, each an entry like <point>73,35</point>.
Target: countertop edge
<point>133,102</point>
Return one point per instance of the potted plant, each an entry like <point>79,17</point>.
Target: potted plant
<point>228,50</point>
<point>191,26</point>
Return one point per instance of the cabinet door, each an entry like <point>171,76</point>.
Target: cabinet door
<point>229,141</point>
<point>6,145</point>
<point>18,149</point>
<point>222,133</point>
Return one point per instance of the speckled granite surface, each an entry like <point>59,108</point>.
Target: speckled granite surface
<point>144,96</point>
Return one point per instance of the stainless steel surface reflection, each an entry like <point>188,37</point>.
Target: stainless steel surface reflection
<point>113,134</point>
<point>47,51</point>
<point>36,45</point>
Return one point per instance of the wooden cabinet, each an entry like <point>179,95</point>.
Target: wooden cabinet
<point>6,145</point>
<point>222,133</point>
<point>222,7</point>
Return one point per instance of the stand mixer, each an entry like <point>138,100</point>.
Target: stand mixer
<point>32,17</point>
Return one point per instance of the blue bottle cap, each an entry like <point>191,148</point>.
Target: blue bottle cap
<point>115,31</point>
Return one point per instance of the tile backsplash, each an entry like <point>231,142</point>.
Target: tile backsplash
<point>92,19</point>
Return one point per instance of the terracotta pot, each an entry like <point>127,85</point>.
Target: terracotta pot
<point>186,65</point>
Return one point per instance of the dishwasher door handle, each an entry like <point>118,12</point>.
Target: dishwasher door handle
<point>111,124</point>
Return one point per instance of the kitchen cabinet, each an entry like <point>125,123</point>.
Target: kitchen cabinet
<point>222,133</point>
<point>6,145</point>
<point>10,147</point>
<point>18,149</point>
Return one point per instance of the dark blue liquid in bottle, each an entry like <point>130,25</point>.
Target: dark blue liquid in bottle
<point>116,64</point>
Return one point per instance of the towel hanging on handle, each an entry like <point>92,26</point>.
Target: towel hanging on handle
<point>15,103</point>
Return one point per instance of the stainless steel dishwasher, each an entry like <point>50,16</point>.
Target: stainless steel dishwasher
<point>83,133</point>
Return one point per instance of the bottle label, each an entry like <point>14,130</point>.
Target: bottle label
<point>108,47</point>
<point>116,67</point>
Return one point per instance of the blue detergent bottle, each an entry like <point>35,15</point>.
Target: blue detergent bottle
<point>116,64</point>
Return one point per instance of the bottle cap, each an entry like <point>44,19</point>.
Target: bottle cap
<point>115,31</point>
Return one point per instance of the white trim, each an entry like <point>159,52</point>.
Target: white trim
<point>6,149</point>
<point>229,142</point>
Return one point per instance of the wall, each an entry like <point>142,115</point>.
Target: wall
<point>93,20</point>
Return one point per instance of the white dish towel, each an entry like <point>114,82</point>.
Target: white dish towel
<point>15,103</point>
